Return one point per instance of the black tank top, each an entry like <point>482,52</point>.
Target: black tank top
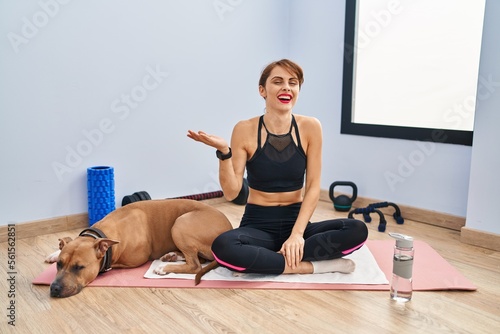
<point>279,165</point>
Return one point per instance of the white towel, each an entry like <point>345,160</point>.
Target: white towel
<point>367,272</point>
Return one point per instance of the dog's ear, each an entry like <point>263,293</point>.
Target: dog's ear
<point>64,241</point>
<point>54,257</point>
<point>101,246</point>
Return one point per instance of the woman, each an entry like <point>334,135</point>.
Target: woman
<point>278,150</point>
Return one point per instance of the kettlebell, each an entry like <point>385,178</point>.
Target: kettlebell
<point>242,197</point>
<point>343,202</point>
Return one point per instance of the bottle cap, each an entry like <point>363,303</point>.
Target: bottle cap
<point>402,240</point>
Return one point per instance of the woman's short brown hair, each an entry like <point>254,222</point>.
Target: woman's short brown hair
<point>286,64</point>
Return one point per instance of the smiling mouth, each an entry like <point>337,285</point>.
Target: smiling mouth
<point>285,98</point>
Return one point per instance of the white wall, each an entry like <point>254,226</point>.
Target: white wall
<point>65,79</point>
<point>73,73</point>
<point>484,189</point>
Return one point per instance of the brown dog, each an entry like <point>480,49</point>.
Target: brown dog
<point>131,235</point>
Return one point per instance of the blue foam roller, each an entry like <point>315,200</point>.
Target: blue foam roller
<point>101,192</point>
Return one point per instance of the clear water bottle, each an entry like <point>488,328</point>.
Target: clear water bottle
<point>402,270</point>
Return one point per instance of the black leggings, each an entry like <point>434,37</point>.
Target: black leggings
<point>253,247</point>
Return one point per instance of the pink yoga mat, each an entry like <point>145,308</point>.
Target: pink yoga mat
<point>430,272</point>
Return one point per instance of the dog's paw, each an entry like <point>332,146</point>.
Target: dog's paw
<point>54,257</point>
<point>160,270</point>
<point>169,257</point>
<point>172,257</point>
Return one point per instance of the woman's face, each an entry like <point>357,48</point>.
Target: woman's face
<point>281,91</point>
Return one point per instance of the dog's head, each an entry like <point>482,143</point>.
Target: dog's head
<point>79,264</point>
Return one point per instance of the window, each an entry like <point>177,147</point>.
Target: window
<point>411,69</point>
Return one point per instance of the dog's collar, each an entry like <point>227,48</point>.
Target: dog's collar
<point>97,233</point>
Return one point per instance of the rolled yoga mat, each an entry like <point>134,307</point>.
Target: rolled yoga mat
<point>101,192</point>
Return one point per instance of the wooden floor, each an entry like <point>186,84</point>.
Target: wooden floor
<point>130,310</point>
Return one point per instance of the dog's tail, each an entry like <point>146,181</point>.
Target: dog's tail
<point>212,265</point>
